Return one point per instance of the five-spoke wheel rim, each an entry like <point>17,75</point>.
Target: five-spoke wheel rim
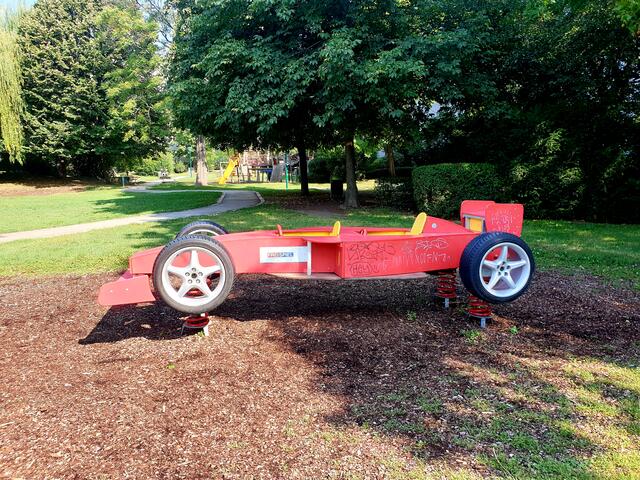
<point>193,276</point>
<point>505,269</point>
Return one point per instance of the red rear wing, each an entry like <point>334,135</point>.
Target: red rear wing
<point>488,216</point>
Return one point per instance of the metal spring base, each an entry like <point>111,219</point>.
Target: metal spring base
<point>479,309</point>
<point>446,287</point>
<point>196,322</point>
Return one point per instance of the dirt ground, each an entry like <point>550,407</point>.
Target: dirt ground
<point>43,186</point>
<point>297,380</point>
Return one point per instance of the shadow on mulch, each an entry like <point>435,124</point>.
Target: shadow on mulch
<point>427,378</point>
<point>153,322</point>
<point>444,389</point>
<point>409,371</point>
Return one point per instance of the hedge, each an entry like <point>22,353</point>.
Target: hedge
<point>383,173</point>
<point>394,192</point>
<point>440,189</point>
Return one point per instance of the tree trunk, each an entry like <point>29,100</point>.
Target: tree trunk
<point>304,178</point>
<point>391,161</point>
<point>61,168</point>
<point>201,162</point>
<point>351,195</point>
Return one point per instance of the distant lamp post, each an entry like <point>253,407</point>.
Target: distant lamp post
<point>190,152</point>
<point>286,171</point>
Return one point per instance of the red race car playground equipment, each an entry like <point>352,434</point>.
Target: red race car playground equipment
<point>194,273</point>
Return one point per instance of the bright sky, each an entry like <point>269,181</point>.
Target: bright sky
<point>13,3</point>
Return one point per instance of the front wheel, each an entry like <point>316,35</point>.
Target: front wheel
<point>497,267</point>
<point>202,227</point>
<point>193,274</point>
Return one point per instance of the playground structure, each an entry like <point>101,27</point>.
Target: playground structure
<point>257,166</point>
<point>194,273</point>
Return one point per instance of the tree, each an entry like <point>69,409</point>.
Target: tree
<point>66,110</point>
<point>550,94</point>
<point>201,162</point>
<point>265,73</point>
<point>244,80</point>
<point>628,11</point>
<point>163,13</point>
<point>137,117</point>
<point>372,75</point>
<point>92,92</point>
<point>11,105</point>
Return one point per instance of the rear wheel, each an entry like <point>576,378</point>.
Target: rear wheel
<point>497,267</point>
<point>193,274</point>
<point>202,227</point>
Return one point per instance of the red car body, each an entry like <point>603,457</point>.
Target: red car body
<point>338,252</point>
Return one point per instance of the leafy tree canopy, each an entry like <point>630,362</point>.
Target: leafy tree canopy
<point>551,95</point>
<point>11,104</point>
<point>282,72</point>
<point>90,85</point>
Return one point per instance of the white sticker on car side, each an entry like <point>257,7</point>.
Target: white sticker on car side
<point>284,254</point>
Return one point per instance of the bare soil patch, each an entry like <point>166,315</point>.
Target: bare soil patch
<point>43,186</point>
<point>297,380</point>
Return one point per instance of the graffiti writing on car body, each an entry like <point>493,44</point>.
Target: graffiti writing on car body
<point>378,258</point>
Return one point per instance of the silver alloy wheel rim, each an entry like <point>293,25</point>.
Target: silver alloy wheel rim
<point>193,277</point>
<point>509,273</point>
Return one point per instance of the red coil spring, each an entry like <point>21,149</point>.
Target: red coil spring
<point>446,284</point>
<point>196,321</point>
<point>479,308</point>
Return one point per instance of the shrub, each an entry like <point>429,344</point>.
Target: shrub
<point>440,189</point>
<point>180,167</point>
<point>216,158</point>
<point>151,166</point>
<point>545,179</point>
<point>327,165</point>
<point>548,190</point>
<point>394,192</point>
<point>147,166</point>
<point>319,171</point>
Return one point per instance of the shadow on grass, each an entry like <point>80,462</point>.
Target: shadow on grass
<point>129,203</point>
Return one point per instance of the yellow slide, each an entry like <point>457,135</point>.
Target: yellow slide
<point>227,172</point>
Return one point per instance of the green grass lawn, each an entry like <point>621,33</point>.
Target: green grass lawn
<point>30,212</point>
<point>183,186</point>
<point>611,251</point>
<point>580,421</point>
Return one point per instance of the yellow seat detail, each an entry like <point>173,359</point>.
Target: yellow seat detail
<point>335,231</point>
<point>388,232</point>
<point>474,224</point>
<point>418,224</point>
<point>416,229</point>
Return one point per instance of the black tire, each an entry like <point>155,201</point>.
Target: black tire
<point>189,303</point>
<point>202,227</point>
<point>472,258</point>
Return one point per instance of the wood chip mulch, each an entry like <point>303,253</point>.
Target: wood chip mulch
<point>288,385</point>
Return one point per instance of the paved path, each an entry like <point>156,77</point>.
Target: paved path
<point>230,200</point>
